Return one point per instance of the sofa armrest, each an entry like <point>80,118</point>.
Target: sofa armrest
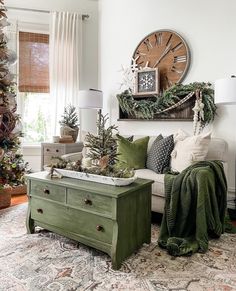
<point>73,157</point>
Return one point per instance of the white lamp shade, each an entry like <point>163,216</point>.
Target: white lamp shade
<point>225,91</point>
<point>92,99</point>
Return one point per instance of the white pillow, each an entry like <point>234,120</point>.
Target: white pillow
<point>188,150</point>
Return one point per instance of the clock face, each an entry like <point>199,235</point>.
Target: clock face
<point>167,51</point>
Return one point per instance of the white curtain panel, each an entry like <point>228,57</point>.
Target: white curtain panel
<point>65,62</point>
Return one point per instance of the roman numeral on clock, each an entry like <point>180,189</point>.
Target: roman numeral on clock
<point>178,46</point>
<point>169,39</point>
<point>158,38</point>
<point>169,82</point>
<point>180,59</point>
<point>140,63</point>
<point>174,69</point>
<point>148,44</point>
<point>140,53</point>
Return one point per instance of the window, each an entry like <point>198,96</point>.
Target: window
<point>33,85</point>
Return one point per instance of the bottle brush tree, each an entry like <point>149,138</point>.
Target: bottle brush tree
<point>70,117</point>
<point>103,146</point>
<point>102,150</point>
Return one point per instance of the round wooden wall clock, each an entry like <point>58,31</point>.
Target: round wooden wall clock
<point>167,51</point>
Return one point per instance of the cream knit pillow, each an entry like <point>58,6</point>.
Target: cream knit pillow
<point>188,150</point>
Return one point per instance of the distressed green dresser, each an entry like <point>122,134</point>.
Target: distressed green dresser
<point>115,220</point>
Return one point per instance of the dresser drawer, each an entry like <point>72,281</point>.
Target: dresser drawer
<point>89,201</point>
<point>53,150</point>
<point>72,220</point>
<point>46,190</point>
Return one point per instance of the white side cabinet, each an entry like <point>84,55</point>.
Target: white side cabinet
<point>49,150</point>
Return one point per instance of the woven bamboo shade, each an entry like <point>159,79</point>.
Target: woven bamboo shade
<point>33,62</point>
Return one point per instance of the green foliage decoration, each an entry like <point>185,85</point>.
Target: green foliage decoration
<point>70,117</point>
<point>149,107</point>
<point>76,166</point>
<point>102,151</point>
<point>103,144</point>
<point>12,169</point>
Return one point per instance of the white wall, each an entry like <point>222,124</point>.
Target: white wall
<point>89,77</point>
<point>209,29</point>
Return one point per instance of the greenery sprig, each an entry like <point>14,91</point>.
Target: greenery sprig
<point>102,150</point>
<point>103,144</point>
<point>69,117</point>
<point>149,107</point>
<point>76,166</point>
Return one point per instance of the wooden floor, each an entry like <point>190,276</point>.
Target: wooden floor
<point>18,199</point>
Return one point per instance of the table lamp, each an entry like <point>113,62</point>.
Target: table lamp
<point>90,99</point>
<point>225,91</point>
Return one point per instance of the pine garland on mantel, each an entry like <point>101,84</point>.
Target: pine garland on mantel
<point>173,97</point>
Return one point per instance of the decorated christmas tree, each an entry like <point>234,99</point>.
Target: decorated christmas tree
<point>12,166</point>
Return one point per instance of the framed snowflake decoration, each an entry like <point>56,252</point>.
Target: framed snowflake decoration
<point>146,82</point>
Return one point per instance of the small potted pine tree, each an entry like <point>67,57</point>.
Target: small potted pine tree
<point>69,122</point>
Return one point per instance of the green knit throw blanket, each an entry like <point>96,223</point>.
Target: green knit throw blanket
<point>195,208</point>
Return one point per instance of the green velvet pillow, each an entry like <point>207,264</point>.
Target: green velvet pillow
<point>132,154</point>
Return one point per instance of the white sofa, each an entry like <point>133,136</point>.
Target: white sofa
<point>218,150</point>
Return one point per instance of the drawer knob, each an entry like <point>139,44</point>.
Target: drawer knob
<point>99,228</point>
<point>39,210</point>
<point>88,201</point>
<point>47,150</point>
<point>57,151</point>
<point>46,191</point>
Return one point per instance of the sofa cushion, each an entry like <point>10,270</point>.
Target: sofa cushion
<point>188,150</point>
<point>77,156</point>
<point>158,185</point>
<point>132,154</point>
<point>159,155</point>
<point>217,150</point>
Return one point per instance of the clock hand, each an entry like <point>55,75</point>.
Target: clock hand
<point>165,52</point>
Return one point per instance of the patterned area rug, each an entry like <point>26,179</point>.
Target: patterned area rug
<point>46,261</point>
